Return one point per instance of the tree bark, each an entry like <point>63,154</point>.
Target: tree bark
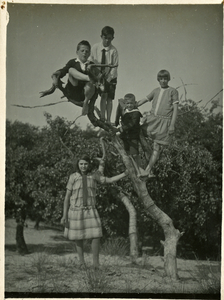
<point>20,241</point>
<point>133,237</point>
<point>171,234</point>
<point>130,208</point>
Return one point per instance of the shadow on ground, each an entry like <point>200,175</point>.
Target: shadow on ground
<point>58,249</point>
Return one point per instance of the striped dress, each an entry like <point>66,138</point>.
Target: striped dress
<point>156,125</point>
<point>83,220</point>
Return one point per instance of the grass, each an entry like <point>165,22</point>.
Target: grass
<point>96,281</point>
<point>115,247</point>
<point>47,272</point>
<point>208,278</point>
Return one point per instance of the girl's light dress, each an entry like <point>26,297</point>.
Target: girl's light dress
<point>156,125</point>
<point>83,221</point>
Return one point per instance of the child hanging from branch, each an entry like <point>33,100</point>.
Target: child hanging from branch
<point>129,130</point>
<point>159,125</point>
<point>84,78</point>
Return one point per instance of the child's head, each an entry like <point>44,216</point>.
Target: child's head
<point>107,35</point>
<point>83,50</point>
<point>163,77</point>
<point>83,164</point>
<point>130,101</point>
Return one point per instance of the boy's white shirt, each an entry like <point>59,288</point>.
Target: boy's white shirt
<point>82,65</point>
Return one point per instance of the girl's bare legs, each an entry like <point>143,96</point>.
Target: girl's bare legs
<point>109,107</point>
<point>79,248</point>
<point>96,251</point>
<point>103,105</point>
<point>154,157</point>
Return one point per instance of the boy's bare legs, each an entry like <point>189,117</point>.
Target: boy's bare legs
<point>109,107</point>
<point>103,105</point>
<point>89,91</point>
<point>96,251</point>
<point>79,248</point>
<point>154,157</point>
<point>75,76</point>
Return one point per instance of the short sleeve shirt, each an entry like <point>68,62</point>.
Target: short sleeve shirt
<point>75,185</point>
<point>163,100</point>
<point>111,58</point>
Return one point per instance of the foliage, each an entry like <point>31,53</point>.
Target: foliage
<point>188,183</point>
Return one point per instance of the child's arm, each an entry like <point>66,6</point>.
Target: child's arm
<point>78,75</point>
<point>61,72</point>
<point>142,101</point>
<point>148,98</point>
<point>174,117</point>
<point>116,178</point>
<point>64,218</point>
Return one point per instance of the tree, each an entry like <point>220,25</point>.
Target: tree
<point>20,142</point>
<point>188,184</point>
<point>172,235</point>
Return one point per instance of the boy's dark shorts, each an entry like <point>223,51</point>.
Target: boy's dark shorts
<point>111,88</point>
<point>76,93</point>
<point>131,146</point>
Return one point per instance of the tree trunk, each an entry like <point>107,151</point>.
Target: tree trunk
<point>20,241</point>
<point>130,208</point>
<point>133,237</point>
<point>171,234</point>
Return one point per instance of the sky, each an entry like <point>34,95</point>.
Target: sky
<point>41,38</point>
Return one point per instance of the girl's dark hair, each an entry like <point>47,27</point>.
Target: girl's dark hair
<point>162,74</point>
<point>84,43</point>
<point>107,30</point>
<point>83,157</point>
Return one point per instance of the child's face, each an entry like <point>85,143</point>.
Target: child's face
<point>163,81</point>
<point>83,53</point>
<point>107,39</point>
<point>83,166</point>
<point>130,104</point>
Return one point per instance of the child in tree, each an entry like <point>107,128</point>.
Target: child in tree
<point>159,125</point>
<point>130,128</point>
<point>80,88</point>
<point>105,52</point>
<point>80,216</point>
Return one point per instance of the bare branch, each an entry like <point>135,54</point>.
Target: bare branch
<point>69,150</point>
<point>50,104</point>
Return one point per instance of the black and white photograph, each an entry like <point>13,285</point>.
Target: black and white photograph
<point>113,150</point>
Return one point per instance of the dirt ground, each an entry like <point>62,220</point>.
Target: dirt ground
<point>52,267</point>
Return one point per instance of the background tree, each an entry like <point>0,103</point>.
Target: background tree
<point>187,187</point>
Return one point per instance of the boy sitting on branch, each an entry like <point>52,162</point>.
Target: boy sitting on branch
<point>84,79</point>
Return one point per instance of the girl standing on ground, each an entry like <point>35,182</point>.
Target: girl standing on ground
<point>80,216</point>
